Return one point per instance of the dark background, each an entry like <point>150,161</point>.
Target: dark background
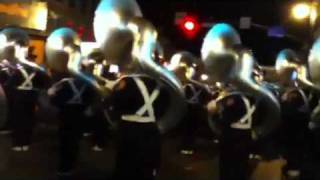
<point>267,13</point>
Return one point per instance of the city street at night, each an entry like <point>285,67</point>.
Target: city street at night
<point>159,89</point>
<point>41,161</point>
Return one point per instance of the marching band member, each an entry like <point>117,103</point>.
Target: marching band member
<point>250,114</point>
<point>295,112</point>
<point>141,98</point>
<point>233,115</point>
<point>72,94</point>
<point>314,124</point>
<point>7,68</point>
<point>26,81</point>
<point>187,67</point>
<point>99,122</point>
<point>266,148</point>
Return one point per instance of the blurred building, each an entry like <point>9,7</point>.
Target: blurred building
<point>264,26</point>
<point>76,14</point>
<point>40,17</point>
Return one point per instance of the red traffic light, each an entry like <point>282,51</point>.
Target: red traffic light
<point>190,26</point>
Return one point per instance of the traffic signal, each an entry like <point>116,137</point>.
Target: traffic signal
<point>189,26</point>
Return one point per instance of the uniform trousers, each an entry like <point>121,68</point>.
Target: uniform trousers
<point>138,151</point>
<point>70,133</point>
<point>235,147</point>
<point>22,115</point>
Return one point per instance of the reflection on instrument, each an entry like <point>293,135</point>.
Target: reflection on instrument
<point>188,68</point>
<point>314,63</point>
<point>186,62</point>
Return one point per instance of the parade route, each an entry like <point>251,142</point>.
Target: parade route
<point>159,90</point>
<point>39,163</point>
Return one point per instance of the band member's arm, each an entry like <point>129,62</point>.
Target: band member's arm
<point>207,97</point>
<point>214,117</point>
<point>212,108</point>
<point>117,99</point>
<point>44,80</point>
<point>161,103</point>
<point>3,76</point>
<point>92,100</point>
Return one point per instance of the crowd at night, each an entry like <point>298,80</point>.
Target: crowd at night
<point>159,90</point>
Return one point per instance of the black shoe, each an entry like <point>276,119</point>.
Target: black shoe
<point>293,175</point>
<point>17,148</point>
<point>97,148</point>
<point>5,131</point>
<point>87,134</point>
<point>24,148</point>
<point>187,152</point>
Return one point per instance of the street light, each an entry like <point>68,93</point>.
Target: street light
<point>301,11</point>
<point>307,13</point>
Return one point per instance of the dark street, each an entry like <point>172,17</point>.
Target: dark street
<point>40,161</point>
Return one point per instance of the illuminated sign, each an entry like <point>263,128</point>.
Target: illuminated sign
<point>277,31</point>
<point>28,15</point>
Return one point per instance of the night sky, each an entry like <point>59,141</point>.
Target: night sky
<point>267,13</point>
